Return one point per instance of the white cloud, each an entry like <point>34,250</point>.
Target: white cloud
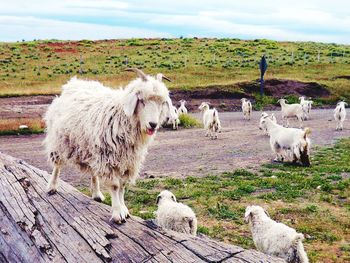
<point>303,20</point>
<point>34,28</point>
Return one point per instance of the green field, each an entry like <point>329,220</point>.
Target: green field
<point>41,67</point>
<point>313,200</point>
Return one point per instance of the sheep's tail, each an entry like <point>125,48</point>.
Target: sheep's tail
<point>215,116</point>
<point>307,132</point>
<point>300,254</point>
<point>193,225</point>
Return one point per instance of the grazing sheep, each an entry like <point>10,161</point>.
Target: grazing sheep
<point>289,140</point>
<point>246,108</point>
<point>262,125</point>
<point>290,111</point>
<point>105,132</point>
<point>175,216</point>
<point>340,114</point>
<point>306,105</point>
<point>211,120</point>
<point>273,238</point>
<point>182,109</point>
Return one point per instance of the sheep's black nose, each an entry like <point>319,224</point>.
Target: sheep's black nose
<point>153,125</point>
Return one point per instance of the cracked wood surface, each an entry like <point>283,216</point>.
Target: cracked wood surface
<point>70,227</point>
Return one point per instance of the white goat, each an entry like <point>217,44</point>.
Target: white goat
<point>175,216</point>
<point>290,111</point>
<point>182,109</point>
<point>340,114</point>
<point>273,238</point>
<point>306,105</point>
<point>173,119</point>
<point>211,120</point>
<point>246,108</point>
<point>292,140</point>
<point>105,132</point>
<point>262,125</point>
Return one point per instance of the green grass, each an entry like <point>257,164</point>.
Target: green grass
<point>314,200</point>
<point>41,67</point>
<point>187,121</point>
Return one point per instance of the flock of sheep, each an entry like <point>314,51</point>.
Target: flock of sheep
<point>106,134</point>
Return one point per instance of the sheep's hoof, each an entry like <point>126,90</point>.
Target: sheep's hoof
<point>52,191</point>
<point>98,199</point>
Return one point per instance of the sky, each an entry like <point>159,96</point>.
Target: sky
<point>284,20</point>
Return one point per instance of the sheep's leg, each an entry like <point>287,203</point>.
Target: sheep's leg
<point>95,189</point>
<point>124,209</point>
<point>118,215</point>
<point>53,182</point>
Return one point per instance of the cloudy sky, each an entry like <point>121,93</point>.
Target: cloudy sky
<point>297,20</point>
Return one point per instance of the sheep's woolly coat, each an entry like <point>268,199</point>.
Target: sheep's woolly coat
<point>275,238</point>
<point>175,216</point>
<point>89,126</point>
<point>340,114</point>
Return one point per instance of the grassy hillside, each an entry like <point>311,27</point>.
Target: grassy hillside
<point>41,67</point>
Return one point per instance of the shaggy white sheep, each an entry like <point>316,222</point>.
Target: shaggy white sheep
<point>175,216</point>
<point>273,238</point>
<point>246,108</point>
<point>291,111</point>
<point>182,109</point>
<point>262,125</point>
<point>306,105</point>
<point>105,132</point>
<point>211,120</point>
<point>289,140</point>
<point>340,114</point>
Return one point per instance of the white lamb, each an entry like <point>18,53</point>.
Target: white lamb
<point>289,140</point>
<point>182,109</point>
<point>262,125</point>
<point>175,216</point>
<point>105,132</point>
<point>340,114</point>
<point>291,111</point>
<point>273,238</point>
<point>306,105</point>
<point>246,108</point>
<point>211,120</point>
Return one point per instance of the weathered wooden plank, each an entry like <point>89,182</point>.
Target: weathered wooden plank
<point>70,227</point>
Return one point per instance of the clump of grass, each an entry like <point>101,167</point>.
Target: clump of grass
<point>187,121</point>
<point>11,126</point>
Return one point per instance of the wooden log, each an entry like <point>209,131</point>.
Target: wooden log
<point>70,227</point>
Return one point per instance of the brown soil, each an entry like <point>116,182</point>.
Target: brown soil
<point>187,152</point>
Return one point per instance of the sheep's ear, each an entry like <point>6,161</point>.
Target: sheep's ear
<point>346,104</point>
<point>248,217</point>
<point>130,103</point>
<point>173,198</point>
<point>158,198</point>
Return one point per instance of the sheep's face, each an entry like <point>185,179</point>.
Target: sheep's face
<point>166,195</point>
<point>254,211</point>
<point>262,124</point>
<point>151,113</point>
<point>148,100</point>
<point>204,106</point>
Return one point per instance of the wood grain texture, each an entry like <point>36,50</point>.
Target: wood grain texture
<point>70,227</point>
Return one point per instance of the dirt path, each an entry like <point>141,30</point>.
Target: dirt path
<point>187,152</point>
